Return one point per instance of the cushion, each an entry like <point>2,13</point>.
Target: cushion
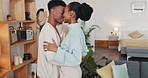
<point>130,66</point>
<point>120,71</point>
<point>135,34</point>
<point>137,49</point>
<point>106,71</point>
<point>144,70</point>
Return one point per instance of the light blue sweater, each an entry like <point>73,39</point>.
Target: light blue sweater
<point>73,47</point>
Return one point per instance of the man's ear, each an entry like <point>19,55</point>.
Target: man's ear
<point>52,11</point>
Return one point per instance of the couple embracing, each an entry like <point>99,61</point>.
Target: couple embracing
<point>57,57</point>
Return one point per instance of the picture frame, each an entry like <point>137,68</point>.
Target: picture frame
<point>138,7</point>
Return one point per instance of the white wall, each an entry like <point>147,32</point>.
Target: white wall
<point>109,13</point>
<point>41,4</point>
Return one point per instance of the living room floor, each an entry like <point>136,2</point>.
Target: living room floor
<point>112,54</point>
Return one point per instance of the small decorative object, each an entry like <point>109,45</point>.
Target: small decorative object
<point>112,33</point>
<point>27,14</point>
<point>32,70</point>
<point>138,7</point>
<point>13,35</point>
<point>27,56</point>
<point>41,17</point>
<point>9,18</point>
<point>0,49</point>
<point>113,37</point>
<point>0,68</point>
<point>16,59</point>
<point>29,34</point>
<point>20,59</point>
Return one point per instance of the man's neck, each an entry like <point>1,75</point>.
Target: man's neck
<point>52,22</point>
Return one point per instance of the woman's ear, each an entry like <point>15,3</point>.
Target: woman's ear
<point>71,13</point>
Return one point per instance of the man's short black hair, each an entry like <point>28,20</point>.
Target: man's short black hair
<point>54,3</point>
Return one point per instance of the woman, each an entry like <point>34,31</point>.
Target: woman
<point>73,47</point>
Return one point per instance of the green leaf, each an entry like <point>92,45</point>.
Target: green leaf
<point>89,55</point>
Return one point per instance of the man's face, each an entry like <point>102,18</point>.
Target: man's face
<point>58,14</point>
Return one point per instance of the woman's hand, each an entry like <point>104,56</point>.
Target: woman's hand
<point>50,46</point>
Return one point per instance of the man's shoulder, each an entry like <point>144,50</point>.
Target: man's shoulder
<point>47,26</point>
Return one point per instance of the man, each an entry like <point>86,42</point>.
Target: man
<point>46,69</point>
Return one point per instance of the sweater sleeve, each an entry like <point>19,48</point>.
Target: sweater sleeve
<point>85,51</point>
<point>70,52</point>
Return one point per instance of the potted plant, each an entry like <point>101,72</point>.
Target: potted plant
<point>0,68</point>
<point>88,66</point>
<point>87,33</point>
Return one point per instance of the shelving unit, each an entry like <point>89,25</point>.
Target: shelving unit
<point>22,43</point>
<point>1,19</point>
<point>17,9</point>
<point>17,12</point>
<point>24,21</point>
<point>15,67</point>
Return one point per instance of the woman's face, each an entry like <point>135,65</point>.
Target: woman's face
<point>66,15</point>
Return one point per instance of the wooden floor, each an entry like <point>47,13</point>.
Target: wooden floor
<point>113,54</point>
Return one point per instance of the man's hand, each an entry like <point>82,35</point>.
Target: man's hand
<point>83,57</point>
<point>50,46</point>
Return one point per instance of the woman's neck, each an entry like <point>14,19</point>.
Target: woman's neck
<point>73,21</point>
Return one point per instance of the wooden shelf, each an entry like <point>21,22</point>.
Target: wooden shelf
<point>0,48</point>
<point>29,0</point>
<point>3,72</point>
<point>1,15</point>
<point>22,43</point>
<point>17,11</point>
<point>25,62</point>
<point>24,21</point>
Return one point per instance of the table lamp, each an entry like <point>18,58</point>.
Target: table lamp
<point>116,30</point>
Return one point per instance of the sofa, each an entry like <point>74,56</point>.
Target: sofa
<point>137,51</point>
<point>135,68</point>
